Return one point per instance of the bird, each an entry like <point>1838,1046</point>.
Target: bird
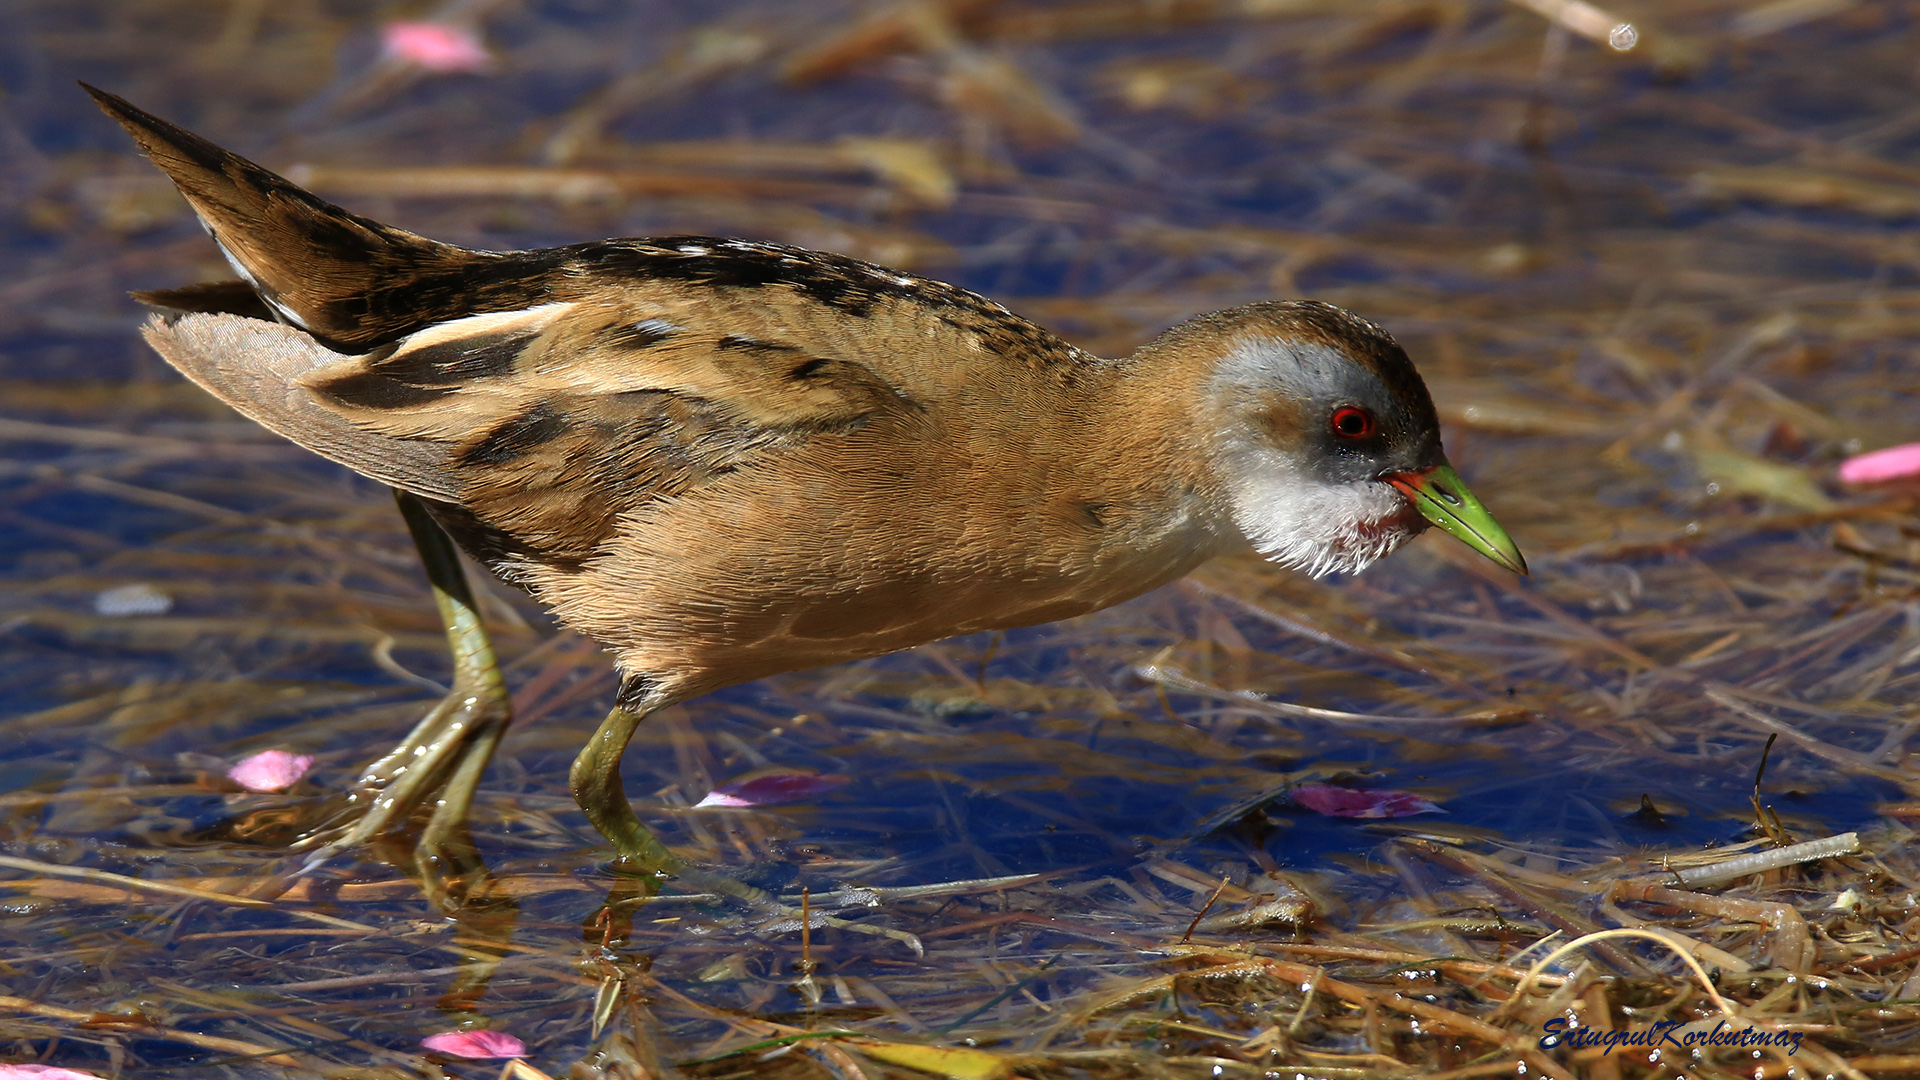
<point>725,459</point>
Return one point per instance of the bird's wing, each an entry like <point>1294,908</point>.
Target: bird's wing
<point>256,367</point>
<point>544,424</point>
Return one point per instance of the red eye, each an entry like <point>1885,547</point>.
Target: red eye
<point>1351,422</point>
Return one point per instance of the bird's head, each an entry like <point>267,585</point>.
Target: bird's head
<point>1325,441</point>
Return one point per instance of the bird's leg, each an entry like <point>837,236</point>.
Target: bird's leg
<point>602,795</point>
<point>449,749</point>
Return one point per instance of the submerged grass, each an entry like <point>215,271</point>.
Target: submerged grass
<point>1658,294</point>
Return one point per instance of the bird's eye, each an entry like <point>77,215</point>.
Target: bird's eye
<point>1351,422</point>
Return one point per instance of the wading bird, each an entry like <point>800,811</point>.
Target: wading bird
<point>725,459</point>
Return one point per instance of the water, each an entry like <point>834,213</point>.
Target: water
<point>1611,267</point>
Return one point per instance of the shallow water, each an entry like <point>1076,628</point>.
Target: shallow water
<point>1657,293</point>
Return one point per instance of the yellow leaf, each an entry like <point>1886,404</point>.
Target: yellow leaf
<point>957,1062</point>
<point>913,167</point>
<point>1738,474</point>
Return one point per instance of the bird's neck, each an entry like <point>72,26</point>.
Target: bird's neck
<point>1157,452</point>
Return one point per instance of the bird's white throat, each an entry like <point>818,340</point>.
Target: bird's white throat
<point>1308,524</point>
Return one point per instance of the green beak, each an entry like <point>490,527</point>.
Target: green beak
<point>1445,501</point>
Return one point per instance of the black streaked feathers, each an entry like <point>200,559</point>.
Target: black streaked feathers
<point>453,362</point>
<point>374,391</point>
<point>233,297</point>
<point>590,381</point>
<point>516,436</point>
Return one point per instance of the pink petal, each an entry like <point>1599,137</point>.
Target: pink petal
<point>476,1044</point>
<point>769,788</point>
<point>1893,463</point>
<point>437,47</point>
<point>270,770</point>
<point>1352,802</point>
<point>43,1072</point>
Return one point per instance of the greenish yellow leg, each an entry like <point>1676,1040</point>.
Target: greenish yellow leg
<point>448,751</point>
<point>602,796</point>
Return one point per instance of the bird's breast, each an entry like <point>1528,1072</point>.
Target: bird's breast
<point>833,557</point>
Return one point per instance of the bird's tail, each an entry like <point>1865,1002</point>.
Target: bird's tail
<point>351,282</point>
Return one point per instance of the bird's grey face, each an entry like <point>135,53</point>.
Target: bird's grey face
<point>1309,436</point>
<point>1327,443</point>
